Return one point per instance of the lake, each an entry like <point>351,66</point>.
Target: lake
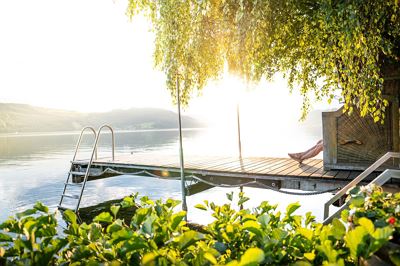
<point>34,167</point>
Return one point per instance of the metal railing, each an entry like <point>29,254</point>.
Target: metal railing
<point>92,158</point>
<point>78,143</point>
<point>380,180</point>
<point>94,151</point>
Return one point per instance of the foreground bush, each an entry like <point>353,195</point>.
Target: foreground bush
<point>157,235</point>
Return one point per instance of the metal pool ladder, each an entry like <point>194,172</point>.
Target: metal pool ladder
<point>379,180</point>
<point>74,171</point>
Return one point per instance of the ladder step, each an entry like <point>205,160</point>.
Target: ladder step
<point>73,184</point>
<point>71,196</point>
<point>77,173</point>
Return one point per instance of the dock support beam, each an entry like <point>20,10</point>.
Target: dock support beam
<point>183,186</point>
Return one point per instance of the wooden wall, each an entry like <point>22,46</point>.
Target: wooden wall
<point>353,142</point>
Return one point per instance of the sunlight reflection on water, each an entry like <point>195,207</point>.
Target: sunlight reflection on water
<point>33,168</point>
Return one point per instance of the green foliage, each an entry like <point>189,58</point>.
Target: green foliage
<point>157,235</point>
<point>321,46</point>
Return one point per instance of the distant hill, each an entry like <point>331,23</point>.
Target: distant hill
<point>25,118</point>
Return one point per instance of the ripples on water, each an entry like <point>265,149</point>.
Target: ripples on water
<point>33,168</point>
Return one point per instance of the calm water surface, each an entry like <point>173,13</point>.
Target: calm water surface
<point>33,168</point>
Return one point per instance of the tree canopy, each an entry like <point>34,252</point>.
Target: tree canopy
<point>321,46</point>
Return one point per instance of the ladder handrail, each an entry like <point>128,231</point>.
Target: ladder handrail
<point>112,138</point>
<point>91,159</point>
<point>80,139</point>
<point>359,178</point>
<point>379,180</point>
<point>78,143</point>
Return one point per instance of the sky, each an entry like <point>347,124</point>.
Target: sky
<point>86,55</point>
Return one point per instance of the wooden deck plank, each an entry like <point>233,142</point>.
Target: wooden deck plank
<point>278,167</point>
<point>319,173</point>
<point>208,163</point>
<point>225,166</point>
<point>290,169</point>
<point>276,163</point>
<point>247,166</point>
<point>342,175</point>
<point>330,174</point>
<point>266,164</point>
<point>202,162</point>
<point>313,169</point>
<point>303,169</point>
<point>353,174</point>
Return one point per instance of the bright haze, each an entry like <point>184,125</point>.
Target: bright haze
<point>87,56</point>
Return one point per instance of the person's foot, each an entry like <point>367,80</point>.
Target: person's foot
<point>296,157</point>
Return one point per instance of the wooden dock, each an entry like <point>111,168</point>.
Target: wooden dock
<point>204,172</point>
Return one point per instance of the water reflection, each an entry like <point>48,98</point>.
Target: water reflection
<point>33,168</point>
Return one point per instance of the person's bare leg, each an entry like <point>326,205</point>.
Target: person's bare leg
<point>313,151</point>
<point>295,156</point>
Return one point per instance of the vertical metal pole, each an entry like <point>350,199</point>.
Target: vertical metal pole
<point>238,128</point>
<point>183,187</point>
<point>239,142</point>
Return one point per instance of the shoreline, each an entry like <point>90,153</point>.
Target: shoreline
<point>65,133</point>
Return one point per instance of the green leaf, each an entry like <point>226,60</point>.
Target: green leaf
<point>395,257</point>
<point>188,238</point>
<point>134,244</point>
<point>149,258</point>
<point>383,233</point>
<point>291,208</point>
<point>307,233</point>
<point>114,210</point>
<point>301,263</point>
<point>242,200</point>
<point>200,206</point>
<point>177,218</point>
<point>338,229</point>
<point>104,217</point>
<point>5,238</point>
<point>252,256</point>
<point>344,215</point>
<point>279,234</point>
<point>310,256</point>
<point>367,224</point>
<point>354,191</point>
<point>229,196</point>
<point>357,201</point>
<point>355,241</point>
<point>114,227</point>
<point>40,207</point>
<point>329,251</point>
<point>210,257</point>
<point>253,227</point>
<point>26,213</point>
<point>148,224</point>
<point>264,219</point>
<point>128,202</point>
<point>120,235</point>
<point>70,217</point>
